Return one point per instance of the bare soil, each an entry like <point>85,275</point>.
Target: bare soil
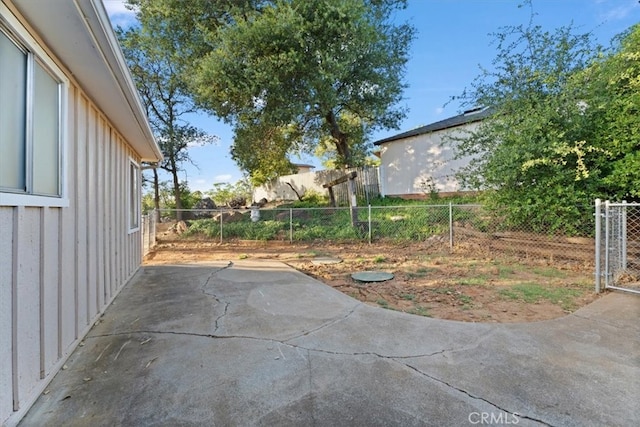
<point>465,285</point>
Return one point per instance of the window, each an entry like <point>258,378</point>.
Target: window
<point>134,196</point>
<point>30,125</point>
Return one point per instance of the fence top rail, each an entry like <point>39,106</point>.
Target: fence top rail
<point>622,204</point>
<point>248,208</point>
<point>429,206</point>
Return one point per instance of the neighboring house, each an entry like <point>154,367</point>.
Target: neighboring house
<point>415,163</point>
<point>303,168</point>
<point>73,133</point>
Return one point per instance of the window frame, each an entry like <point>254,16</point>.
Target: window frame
<point>11,28</point>
<point>134,196</point>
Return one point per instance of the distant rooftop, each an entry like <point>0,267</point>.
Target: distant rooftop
<point>468,116</point>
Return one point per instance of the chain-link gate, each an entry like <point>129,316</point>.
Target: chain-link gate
<point>618,246</point>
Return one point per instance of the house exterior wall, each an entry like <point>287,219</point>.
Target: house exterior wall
<point>61,266</point>
<point>410,166</point>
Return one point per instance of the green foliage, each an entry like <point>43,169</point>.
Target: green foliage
<point>244,230</point>
<point>290,73</point>
<point>223,192</point>
<point>441,201</point>
<point>147,203</point>
<point>262,150</point>
<point>311,199</point>
<point>614,82</point>
<point>188,199</point>
<point>158,73</point>
<point>564,129</point>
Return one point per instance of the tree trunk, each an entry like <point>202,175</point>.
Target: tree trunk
<point>176,189</point>
<point>342,147</point>
<point>156,195</point>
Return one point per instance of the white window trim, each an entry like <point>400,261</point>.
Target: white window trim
<point>138,196</point>
<point>10,23</point>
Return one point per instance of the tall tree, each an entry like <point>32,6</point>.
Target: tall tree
<point>614,88</point>
<point>157,74</point>
<point>268,67</point>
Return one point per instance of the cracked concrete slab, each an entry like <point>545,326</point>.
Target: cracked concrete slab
<point>258,343</point>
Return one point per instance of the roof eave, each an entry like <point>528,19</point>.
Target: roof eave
<point>79,34</point>
<point>449,123</point>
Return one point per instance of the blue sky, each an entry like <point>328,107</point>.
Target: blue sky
<point>452,42</point>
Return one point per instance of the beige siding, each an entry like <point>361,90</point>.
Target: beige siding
<point>61,267</point>
<point>49,288</point>
<point>26,288</point>
<point>80,192</point>
<point>6,322</point>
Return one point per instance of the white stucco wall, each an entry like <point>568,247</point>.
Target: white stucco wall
<point>408,164</point>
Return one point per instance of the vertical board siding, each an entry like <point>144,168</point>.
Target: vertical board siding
<point>68,244</point>
<point>99,231</point>
<point>6,285</point>
<point>27,264</point>
<point>61,267</point>
<point>107,260</point>
<point>81,191</point>
<point>112,212</point>
<point>92,291</point>
<point>49,279</point>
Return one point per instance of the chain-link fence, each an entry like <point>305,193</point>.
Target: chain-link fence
<point>448,226</point>
<point>148,232</point>
<point>617,255</point>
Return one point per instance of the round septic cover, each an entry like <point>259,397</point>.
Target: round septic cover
<point>372,276</point>
<point>325,260</point>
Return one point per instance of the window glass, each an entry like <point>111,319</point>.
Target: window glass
<point>134,198</point>
<point>30,121</point>
<point>13,93</point>
<point>46,134</point>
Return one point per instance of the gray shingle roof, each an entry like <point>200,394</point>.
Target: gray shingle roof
<point>461,119</point>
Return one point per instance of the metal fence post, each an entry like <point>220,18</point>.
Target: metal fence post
<point>623,236</point>
<point>148,231</point>
<point>369,223</point>
<point>221,215</point>
<point>606,243</point>
<point>290,225</point>
<point>450,226</point>
<point>598,245</point>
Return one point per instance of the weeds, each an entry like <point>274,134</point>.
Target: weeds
<point>379,259</point>
<point>533,292</point>
<point>419,310</point>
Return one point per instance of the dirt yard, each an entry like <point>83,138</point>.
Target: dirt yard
<point>466,285</point>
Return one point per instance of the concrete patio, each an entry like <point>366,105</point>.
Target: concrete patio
<point>258,343</point>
